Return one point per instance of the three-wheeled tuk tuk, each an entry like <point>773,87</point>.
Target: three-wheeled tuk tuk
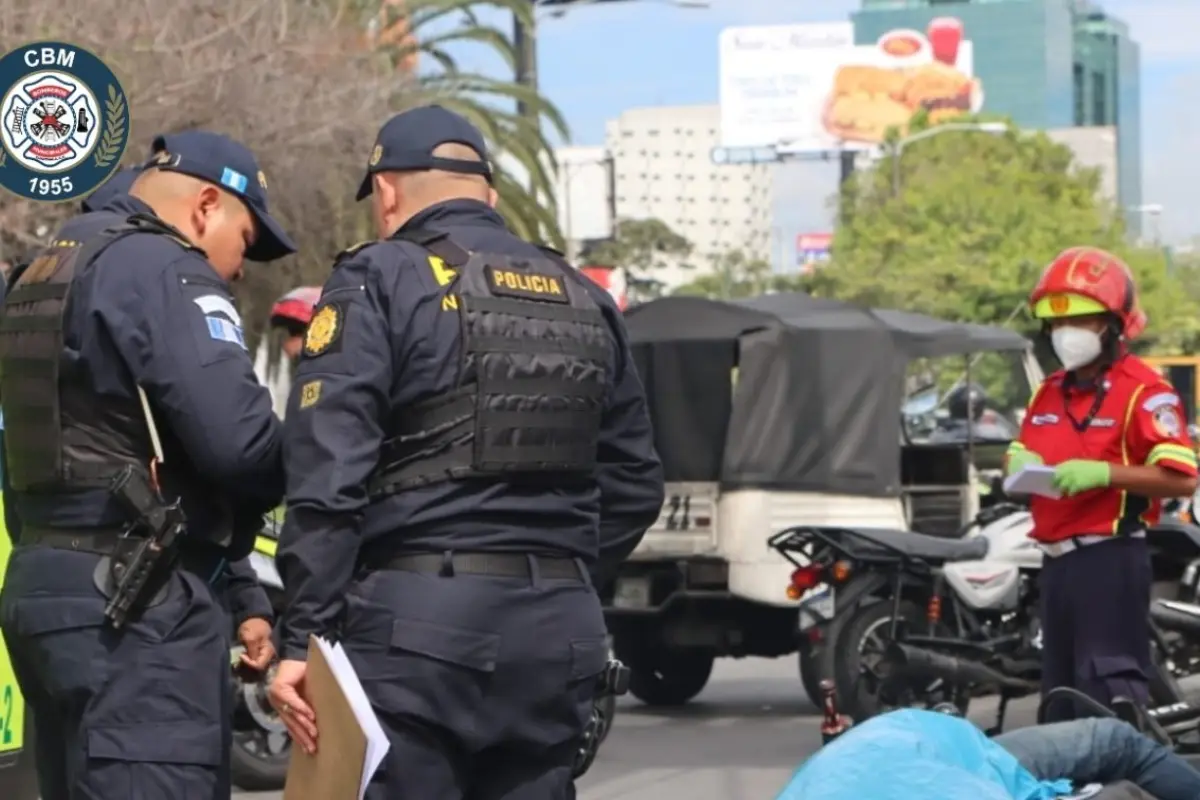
<point>771,412</point>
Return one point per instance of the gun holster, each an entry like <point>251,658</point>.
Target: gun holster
<point>109,569</point>
<point>613,681</point>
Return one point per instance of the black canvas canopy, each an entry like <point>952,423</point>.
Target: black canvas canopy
<point>787,391</point>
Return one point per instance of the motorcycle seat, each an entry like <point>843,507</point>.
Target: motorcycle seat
<point>916,545</point>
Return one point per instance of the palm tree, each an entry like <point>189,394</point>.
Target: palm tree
<point>416,34</point>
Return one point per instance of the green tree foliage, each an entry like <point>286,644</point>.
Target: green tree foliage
<point>643,247</point>
<point>435,32</point>
<point>966,237</point>
<point>975,220</point>
<point>735,275</point>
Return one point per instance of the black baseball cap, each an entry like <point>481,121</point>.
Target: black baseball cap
<point>407,142</point>
<point>119,183</point>
<point>221,161</point>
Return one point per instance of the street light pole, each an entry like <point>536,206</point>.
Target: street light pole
<point>929,133</point>
<point>525,45</point>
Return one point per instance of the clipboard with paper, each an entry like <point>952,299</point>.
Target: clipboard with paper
<point>352,743</point>
<point>1035,479</point>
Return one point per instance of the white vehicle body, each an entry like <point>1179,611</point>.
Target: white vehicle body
<point>993,583</point>
<point>702,523</point>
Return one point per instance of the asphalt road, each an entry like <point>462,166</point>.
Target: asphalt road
<point>741,739</point>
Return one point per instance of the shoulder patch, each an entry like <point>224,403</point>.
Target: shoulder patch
<point>1167,422</point>
<point>542,287</point>
<point>1161,399</point>
<point>222,319</point>
<point>353,249</point>
<point>324,330</point>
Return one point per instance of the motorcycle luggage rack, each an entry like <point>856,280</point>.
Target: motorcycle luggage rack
<point>800,538</point>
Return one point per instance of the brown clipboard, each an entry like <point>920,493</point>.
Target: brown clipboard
<point>335,771</point>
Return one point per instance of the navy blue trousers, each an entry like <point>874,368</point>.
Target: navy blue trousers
<point>1095,610</point>
<point>141,714</point>
<point>483,684</point>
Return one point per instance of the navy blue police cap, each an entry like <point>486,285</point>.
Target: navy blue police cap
<point>407,142</point>
<point>222,161</point>
<point>118,184</point>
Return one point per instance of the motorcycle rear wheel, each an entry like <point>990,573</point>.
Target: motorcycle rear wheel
<point>866,630</point>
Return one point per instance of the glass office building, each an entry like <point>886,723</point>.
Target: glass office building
<point>1044,63</point>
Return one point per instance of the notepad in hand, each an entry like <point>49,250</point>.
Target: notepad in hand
<point>351,743</point>
<point>1036,479</point>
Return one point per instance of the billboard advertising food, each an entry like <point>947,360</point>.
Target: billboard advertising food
<point>805,88</point>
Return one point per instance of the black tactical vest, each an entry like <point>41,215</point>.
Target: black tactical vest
<point>532,381</point>
<point>58,434</point>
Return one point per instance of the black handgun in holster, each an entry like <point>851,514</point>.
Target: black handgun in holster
<point>611,683</point>
<point>147,551</point>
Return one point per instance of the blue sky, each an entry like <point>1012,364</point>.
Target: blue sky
<point>599,59</point>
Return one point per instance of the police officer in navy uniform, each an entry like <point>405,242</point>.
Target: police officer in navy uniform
<point>243,594</point>
<point>136,296</point>
<point>468,451</point>
<point>247,600</point>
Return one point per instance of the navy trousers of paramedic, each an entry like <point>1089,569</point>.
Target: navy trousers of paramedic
<point>483,684</point>
<point>141,714</point>
<point>1095,610</point>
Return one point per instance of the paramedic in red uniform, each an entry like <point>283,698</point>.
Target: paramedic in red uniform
<point>1115,433</point>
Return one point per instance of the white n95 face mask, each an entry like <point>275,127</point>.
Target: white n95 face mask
<point>1075,347</point>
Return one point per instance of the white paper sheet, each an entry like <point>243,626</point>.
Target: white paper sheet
<point>1036,479</point>
<point>347,678</point>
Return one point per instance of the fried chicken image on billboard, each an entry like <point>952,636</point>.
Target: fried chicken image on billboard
<point>866,101</point>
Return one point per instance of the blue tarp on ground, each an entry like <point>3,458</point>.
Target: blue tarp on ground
<point>916,755</point>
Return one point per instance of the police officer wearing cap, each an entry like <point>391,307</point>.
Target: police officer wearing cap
<point>127,301</point>
<point>468,448</point>
<point>247,600</point>
<point>1113,430</point>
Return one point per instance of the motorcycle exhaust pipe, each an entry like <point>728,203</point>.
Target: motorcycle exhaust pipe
<point>915,663</point>
<point>1175,616</point>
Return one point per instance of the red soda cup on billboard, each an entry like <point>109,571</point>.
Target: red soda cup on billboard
<point>945,35</point>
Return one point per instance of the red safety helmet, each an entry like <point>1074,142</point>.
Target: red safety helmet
<point>1086,280</point>
<point>296,307</point>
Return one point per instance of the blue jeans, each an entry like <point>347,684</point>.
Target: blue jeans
<point>1102,751</point>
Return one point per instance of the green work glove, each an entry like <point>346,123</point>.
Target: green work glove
<point>1021,458</point>
<point>1080,475</point>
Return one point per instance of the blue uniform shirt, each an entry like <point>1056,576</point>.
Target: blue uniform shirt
<point>396,345</point>
<point>147,311</point>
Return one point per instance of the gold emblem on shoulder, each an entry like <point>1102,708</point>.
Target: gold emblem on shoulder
<point>376,155</point>
<point>323,330</point>
<point>310,393</point>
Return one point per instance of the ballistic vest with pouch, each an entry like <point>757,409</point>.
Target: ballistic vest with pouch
<point>532,380</point>
<point>60,435</point>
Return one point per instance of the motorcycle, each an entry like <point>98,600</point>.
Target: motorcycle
<point>822,619</point>
<point>972,595</point>
<point>261,745</point>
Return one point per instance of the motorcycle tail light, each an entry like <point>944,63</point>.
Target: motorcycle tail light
<point>933,611</point>
<point>840,571</point>
<point>804,579</point>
